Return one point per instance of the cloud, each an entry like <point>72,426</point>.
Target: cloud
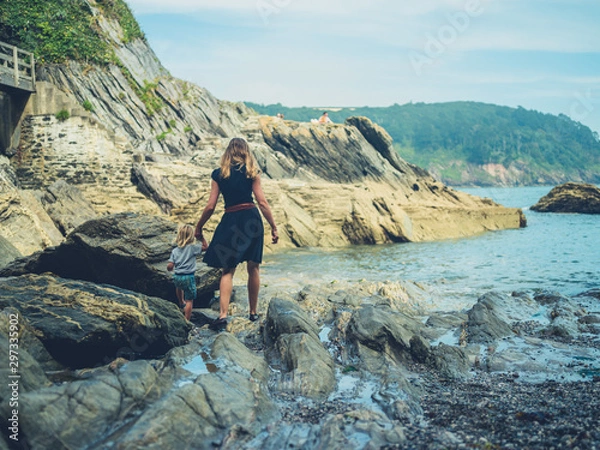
<point>535,53</point>
<point>403,8</point>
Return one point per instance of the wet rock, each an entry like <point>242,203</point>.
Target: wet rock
<point>308,367</point>
<point>197,415</point>
<point>590,319</point>
<point>127,250</point>
<point>484,324</point>
<point>82,324</point>
<point>384,331</point>
<point>294,347</point>
<point>439,324</point>
<point>227,348</point>
<point>316,303</point>
<point>544,297</point>
<point>451,362</point>
<point>419,349</point>
<point>287,317</point>
<point>362,429</point>
<point>79,413</point>
<point>570,198</point>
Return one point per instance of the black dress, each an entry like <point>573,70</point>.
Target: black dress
<point>239,235</point>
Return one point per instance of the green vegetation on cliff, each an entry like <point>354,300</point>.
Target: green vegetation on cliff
<point>60,30</point>
<point>458,137</point>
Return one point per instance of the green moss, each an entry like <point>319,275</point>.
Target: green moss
<point>147,94</point>
<point>87,105</point>
<point>62,115</point>
<point>163,135</point>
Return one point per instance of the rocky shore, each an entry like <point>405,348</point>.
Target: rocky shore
<point>362,365</point>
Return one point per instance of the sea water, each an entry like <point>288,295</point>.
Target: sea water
<point>556,252</point>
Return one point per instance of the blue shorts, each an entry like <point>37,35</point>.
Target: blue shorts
<point>187,283</point>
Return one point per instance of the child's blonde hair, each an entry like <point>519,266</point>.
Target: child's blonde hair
<point>185,235</point>
<point>238,154</point>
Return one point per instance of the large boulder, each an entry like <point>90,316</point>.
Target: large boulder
<point>82,324</point>
<point>127,250</point>
<point>570,198</point>
<point>294,347</point>
<point>385,331</point>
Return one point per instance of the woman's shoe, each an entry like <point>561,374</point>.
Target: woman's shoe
<point>218,324</point>
<point>253,317</point>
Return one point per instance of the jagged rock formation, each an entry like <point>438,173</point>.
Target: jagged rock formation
<point>149,142</point>
<point>126,250</point>
<point>570,198</point>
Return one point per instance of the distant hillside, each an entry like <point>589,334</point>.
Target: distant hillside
<point>470,143</point>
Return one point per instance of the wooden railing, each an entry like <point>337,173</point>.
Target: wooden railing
<point>17,68</point>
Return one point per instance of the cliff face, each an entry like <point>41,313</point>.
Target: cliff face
<point>147,142</point>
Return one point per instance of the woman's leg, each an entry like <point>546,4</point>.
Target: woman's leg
<point>225,289</point>
<point>253,285</point>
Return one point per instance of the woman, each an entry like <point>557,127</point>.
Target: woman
<point>240,234</point>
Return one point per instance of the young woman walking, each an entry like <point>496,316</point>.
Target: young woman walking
<point>239,236</point>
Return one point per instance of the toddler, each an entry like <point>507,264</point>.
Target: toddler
<point>183,262</point>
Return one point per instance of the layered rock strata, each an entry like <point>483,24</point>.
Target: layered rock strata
<point>147,142</point>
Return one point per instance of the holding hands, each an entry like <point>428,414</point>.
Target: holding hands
<point>200,237</point>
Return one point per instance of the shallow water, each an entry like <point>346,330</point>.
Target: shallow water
<point>557,252</point>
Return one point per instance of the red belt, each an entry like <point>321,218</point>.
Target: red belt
<point>240,207</point>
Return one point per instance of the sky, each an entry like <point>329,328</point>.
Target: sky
<point>542,55</point>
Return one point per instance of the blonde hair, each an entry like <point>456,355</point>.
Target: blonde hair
<point>185,235</point>
<point>238,154</point>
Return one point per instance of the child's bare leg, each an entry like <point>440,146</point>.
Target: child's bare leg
<point>253,285</point>
<point>225,289</point>
<point>179,293</point>
<point>187,310</point>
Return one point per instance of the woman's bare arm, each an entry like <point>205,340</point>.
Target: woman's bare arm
<point>208,211</point>
<point>264,207</point>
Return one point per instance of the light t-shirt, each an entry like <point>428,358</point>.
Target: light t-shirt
<point>185,258</point>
